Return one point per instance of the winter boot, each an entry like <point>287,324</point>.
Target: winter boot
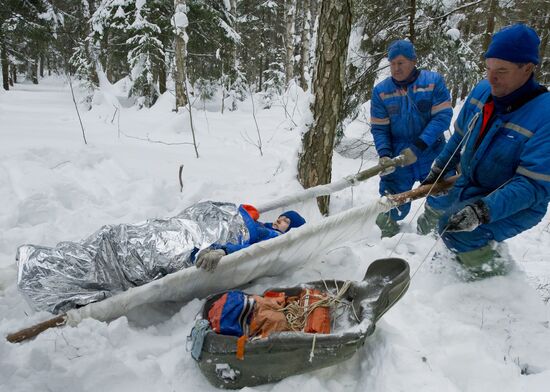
<point>427,222</point>
<point>483,262</point>
<point>387,225</point>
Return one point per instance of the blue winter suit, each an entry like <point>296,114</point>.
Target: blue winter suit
<point>414,116</point>
<point>508,168</point>
<point>257,231</point>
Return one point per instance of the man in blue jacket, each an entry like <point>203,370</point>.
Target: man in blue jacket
<point>409,110</point>
<point>503,131</point>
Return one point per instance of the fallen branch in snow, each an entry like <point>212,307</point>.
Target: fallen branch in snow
<point>155,141</point>
<point>59,164</point>
<point>181,180</point>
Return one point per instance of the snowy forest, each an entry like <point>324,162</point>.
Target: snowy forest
<point>195,47</point>
<point>122,116</point>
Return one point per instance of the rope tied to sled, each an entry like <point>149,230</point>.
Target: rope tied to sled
<point>297,312</point>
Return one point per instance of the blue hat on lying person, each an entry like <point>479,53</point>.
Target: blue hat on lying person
<point>401,48</point>
<point>517,43</point>
<point>296,219</point>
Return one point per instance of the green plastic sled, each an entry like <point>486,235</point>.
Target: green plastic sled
<point>285,354</point>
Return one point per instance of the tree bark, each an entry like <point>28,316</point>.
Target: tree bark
<point>315,163</point>
<point>304,49</point>
<point>290,19</point>
<point>543,69</point>
<point>180,53</point>
<point>13,79</point>
<point>412,34</point>
<point>34,71</point>
<point>162,77</point>
<point>234,55</point>
<point>42,61</point>
<point>490,28</point>
<point>5,63</point>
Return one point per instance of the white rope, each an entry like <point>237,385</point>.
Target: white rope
<point>297,314</point>
<point>312,352</point>
<point>464,141</point>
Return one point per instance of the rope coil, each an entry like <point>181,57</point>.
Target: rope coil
<point>297,314</point>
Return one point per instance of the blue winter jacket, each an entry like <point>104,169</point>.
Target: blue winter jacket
<point>400,117</point>
<point>509,170</point>
<point>257,231</point>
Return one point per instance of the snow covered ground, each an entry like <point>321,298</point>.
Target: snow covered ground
<point>444,335</point>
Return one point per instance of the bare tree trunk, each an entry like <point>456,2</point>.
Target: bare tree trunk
<point>13,69</point>
<point>464,91</point>
<point>315,163</point>
<point>304,52</point>
<point>5,63</point>
<point>543,69</point>
<point>290,18</point>
<point>162,77</point>
<point>261,72</point>
<point>490,28</point>
<point>412,34</point>
<point>454,94</point>
<point>315,6</point>
<point>42,61</point>
<point>34,71</point>
<point>180,53</point>
<point>234,56</point>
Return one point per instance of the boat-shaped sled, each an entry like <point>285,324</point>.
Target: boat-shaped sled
<point>282,354</point>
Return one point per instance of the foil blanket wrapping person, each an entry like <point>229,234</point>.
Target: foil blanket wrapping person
<point>118,257</point>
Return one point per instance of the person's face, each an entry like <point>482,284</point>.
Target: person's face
<point>281,224</point>
<point>401,67</point>
<point>506,77</point>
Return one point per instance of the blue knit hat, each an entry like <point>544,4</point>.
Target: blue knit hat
<point>296,219</point>
<point>401,47</point>
<point>517,43</point>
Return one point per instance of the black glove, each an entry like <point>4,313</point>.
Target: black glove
<point>432,176</point>
<point>208,259</point>
<point>384,161</point>
<point>415,149</point>
<point>468,218</point>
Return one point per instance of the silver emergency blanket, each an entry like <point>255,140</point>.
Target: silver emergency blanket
<point>118,257</point>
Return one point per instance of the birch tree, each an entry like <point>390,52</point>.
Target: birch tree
<point>180,23</point>
<point>315,163</point>
<point>4,61</point>
<point>290,19</point>
<point>304,63</point>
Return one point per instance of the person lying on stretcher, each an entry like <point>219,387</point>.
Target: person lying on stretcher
<point>209,258</point>
<point>121,256</point>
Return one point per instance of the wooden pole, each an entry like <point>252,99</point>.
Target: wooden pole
<point>401,198</point>
<point>423,191</point>
<point>31,332</point>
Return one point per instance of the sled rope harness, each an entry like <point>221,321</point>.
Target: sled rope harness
<point>297,314</point>
<point>462,142</point>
